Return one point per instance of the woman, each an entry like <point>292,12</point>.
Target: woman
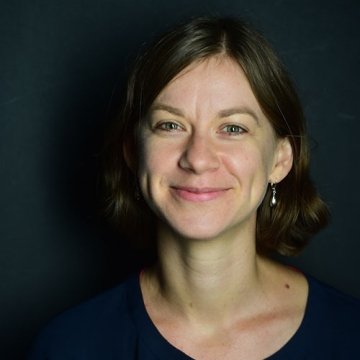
<point>208,165</point>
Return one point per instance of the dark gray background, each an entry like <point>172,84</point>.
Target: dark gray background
<point>60,62</point>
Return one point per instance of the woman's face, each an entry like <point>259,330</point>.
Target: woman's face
<point>207,152</point>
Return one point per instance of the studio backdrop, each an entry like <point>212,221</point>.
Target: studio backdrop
<point>62,67</point>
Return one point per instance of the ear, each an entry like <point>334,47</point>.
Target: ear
<point>129,151</point>
<point>283,161</point>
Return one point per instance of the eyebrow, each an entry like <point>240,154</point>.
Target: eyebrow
<point>238,110</point>
<point>222,113</point>
<point>168,108</point>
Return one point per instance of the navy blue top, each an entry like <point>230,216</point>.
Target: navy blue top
<point>115,325</point>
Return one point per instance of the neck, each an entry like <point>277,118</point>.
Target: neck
<point>204,280</point>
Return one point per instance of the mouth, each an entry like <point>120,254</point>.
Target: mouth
<point>198,194</point>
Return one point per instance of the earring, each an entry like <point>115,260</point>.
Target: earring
<point>273,200</point>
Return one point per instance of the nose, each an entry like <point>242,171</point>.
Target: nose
<point>199,155</point>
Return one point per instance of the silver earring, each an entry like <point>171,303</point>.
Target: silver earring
<point>273,197</point>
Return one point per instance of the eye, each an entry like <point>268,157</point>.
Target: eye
<point>169,126</point>
<point>233,129</point>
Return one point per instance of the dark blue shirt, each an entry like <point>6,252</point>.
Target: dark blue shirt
<point>115,325</point>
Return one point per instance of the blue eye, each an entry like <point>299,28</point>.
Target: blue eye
<point>233,129</point>
<point>169,126</point>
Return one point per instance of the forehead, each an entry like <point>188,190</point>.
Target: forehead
<point>214,83</point>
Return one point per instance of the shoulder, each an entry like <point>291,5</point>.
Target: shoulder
<point>333,318</point>
<point>100,324</point>
<point>330,327</point>
<point>333,304</point>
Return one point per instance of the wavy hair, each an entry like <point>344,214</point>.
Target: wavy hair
<point>300,212</point>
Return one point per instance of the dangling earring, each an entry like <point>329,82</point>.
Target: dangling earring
<point>273,197</point>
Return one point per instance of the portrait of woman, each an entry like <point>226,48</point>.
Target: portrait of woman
<point>207,166</point>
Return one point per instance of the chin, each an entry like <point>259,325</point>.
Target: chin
<point>196,232</point>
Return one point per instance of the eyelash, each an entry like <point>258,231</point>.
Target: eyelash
<point>169,126</point>
<point>239,130</point>
<point>229,130</point>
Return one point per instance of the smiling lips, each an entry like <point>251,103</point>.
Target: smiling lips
<point>198,194</point>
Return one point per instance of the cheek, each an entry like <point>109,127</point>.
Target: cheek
<point>250,164</point>
<point>243,160</point>
<point>147,155</point>
<point>155,160</point>
<point>147,167</point>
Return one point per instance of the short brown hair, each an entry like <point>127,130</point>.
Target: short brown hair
<point>300,212</point>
